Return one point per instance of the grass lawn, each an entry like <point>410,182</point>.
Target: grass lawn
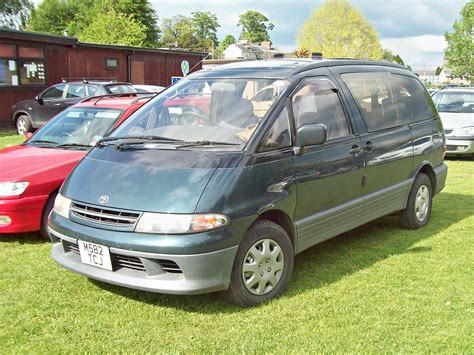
<point>10,137</point>
<point>375,289</point>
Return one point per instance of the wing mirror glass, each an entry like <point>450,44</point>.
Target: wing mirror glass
<point>310,134</point>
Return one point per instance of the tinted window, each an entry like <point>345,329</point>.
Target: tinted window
<point>8,72</point>
<point>278,136</point>
<point>56,92</point>
<point>94,90</point>
<point>374,98</point>
<point>75,91</point>
<point>413,101</point>
<point>317,102</point>
<point>32,71</point>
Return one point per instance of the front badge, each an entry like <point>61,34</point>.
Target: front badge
<point>103,199</point>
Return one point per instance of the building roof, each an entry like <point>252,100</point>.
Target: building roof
<point>73,41</point>
<point>279,69</point>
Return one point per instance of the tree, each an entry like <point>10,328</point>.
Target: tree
<point>112,27</point>
<point>337,29</point>
<point>255,26</point>
<point>394,58</point>
<point>14,13</point>
<point>223,45</point>
<point>459,54</point>
<point>206,25</point>
<point>74,17</point>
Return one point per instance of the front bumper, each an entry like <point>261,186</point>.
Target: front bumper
<point>459,146</point>
<point>174,274</point>
<point>24,213</point>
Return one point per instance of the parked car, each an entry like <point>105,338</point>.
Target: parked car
<point>31,114</point>
<point>31,173</point>
<point>456,108</point>
<point>149,88</point>
<point>224,200</point>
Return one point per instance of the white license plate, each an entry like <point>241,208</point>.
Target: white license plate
<point>95,254</point>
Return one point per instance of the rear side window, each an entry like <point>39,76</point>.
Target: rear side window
<point>414,102</point>
<point>389,100</point>
<point>317,102</point>
<point>75,91</point>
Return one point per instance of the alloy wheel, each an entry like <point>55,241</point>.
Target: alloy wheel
<point>422,202</point>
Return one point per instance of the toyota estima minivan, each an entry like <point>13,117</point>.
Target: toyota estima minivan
<point>211,187</point>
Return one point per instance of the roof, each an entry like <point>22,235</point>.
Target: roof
<point>279,69</point>
<point>73,41</point>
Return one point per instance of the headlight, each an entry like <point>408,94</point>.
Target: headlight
<point>163,223</point>
<point>464,131</point>
<point>13,188</point>
<point>62,205</point>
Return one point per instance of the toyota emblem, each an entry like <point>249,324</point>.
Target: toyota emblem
<point>103,199</point>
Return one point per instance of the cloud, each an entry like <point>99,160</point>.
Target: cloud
<point>424,50</point>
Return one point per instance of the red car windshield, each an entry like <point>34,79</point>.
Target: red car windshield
<point>77,126</point>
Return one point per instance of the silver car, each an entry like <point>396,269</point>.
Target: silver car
<point>456,108</point>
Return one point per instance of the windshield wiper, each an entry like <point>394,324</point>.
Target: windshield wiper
<point>204,143</point>
<point>68,145</point>
<point>43,141</point>
<point>137,139</point>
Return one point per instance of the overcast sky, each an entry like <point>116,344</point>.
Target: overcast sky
<point>412,28</point>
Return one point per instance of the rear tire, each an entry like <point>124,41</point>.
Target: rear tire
<point>23,125</point>
<point>262,267</point>
<point>48,207</point>
<point>420,200</point>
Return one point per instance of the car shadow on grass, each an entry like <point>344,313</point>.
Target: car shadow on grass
<point>332,260</point>
<point>23,238</point>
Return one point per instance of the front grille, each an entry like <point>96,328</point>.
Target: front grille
<point>104,216</point>
<point>128,262</point>
<point>451,147</point>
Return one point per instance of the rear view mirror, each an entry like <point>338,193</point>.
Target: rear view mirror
<point>39,99</point>
<point>310,134</point>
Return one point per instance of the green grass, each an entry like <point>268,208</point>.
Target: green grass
<point>375,289</point>
<point>10,137</point>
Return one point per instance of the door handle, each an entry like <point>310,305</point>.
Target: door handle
<point>355,150</point>
<point>56,104</point>
<point>368,147</point>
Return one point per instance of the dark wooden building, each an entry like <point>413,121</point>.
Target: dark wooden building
<point>30,62</point>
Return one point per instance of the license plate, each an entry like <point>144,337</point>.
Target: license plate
<point>95,254</point>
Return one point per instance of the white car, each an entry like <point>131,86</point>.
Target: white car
<point>456,109</point>
<point>149,88</point>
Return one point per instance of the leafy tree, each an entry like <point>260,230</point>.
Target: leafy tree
<point>337,29</point>
<point>255,26</point>
<point>459,53</point>
<point>206,25</point>
<point>74,17</point>
<point>394,58</point>
<point>112,27</point>
<point>189,32</point>
<point>14,13</point>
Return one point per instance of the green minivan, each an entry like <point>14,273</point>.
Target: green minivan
<point>218,182</point>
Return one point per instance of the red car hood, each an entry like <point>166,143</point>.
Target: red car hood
<point>20,163</point>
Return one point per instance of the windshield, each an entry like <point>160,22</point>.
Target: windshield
<point>120,89</point>
<point>77,126</point>
<point>460,102</point>
<point>206,110</point>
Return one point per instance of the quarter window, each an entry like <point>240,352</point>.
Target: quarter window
<point>317,102</point>
<point>75,91</point>
<point>278,135</point>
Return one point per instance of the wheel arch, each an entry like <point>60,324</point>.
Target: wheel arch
<point>17,114</point>
<point>283,220</point>
<point>427,168</point>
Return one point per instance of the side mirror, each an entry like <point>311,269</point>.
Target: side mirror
<point>39,99</point>
<point>310,134</point>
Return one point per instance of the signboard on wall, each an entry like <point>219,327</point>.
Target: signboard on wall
<point>175,79</point>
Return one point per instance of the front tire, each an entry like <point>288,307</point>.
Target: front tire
<point>48,207</point>
<point>262,267</point>
<point>23,125</point>
<point>419,204</point>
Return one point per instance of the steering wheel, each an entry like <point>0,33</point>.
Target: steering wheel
<point>191,117</point>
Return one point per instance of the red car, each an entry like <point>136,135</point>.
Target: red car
<point>32,173</point>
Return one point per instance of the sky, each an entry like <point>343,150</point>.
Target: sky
<point>414,29</point>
